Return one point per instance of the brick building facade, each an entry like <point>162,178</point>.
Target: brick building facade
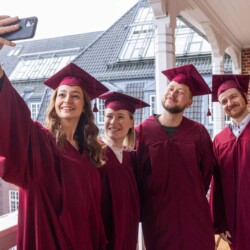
<point>245,60</point>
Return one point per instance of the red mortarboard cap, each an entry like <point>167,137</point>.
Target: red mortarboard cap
<point>73,75</point>
<point>221,83</point>
<point>117,101</point>
<point>189,76</point>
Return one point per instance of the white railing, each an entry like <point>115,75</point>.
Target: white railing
<point>8,230</point>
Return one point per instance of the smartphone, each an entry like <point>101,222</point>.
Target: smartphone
<point>27,29</point>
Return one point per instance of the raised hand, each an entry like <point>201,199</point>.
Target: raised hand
<point>6,26</point>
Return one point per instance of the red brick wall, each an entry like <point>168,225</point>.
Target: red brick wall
<point>246,67</point>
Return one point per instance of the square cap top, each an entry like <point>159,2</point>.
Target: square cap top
<point>189,76</point>
<point>117,101</point>
<point>73,75</point>
<point>221,83</point>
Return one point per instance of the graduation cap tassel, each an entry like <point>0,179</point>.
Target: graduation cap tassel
<point>141,137</point>
<point>208,110</point>
<point>95,109</point>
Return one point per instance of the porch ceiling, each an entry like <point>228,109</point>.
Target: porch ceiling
<point>229,19</point>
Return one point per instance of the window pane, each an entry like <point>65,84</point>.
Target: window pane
<point>13,200</point>
<point>152,104</point>
<point>101,108</point>
<point>140,41</point>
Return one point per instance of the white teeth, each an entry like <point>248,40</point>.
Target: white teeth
<point>114,129</point>
<point>66,108</point>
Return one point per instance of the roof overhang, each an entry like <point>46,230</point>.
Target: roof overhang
<point>227,20</point>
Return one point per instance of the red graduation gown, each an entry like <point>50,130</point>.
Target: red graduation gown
<point>120,202</point>
<point>60,195</point>
<point>230,202</point>
<point>174,176</point>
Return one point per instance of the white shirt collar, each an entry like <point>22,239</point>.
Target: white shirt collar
<point>237,129</point>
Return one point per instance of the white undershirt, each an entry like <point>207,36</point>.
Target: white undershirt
<point>237,129</point>
<point>117,151</point>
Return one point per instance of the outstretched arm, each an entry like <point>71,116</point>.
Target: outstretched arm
<point>15,125</point>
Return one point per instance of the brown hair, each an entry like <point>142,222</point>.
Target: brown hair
<point>86,132</point>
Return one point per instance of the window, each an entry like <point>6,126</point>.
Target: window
<point>227,119</point>
<point>140,40</point>
<point>152,104</point>
<point>141,35</point>
<point>211,119</point>
<point>42,65</point>
<point>13,200</point>
<point>188,41</point>
<point>39,68</point>
<point>34,109</point>
<point>15,51</point>
<point>100,113</point>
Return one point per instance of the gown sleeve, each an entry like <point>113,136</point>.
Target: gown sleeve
<point>15,132</point>
<point>216,201</point>
<point>207,161</point>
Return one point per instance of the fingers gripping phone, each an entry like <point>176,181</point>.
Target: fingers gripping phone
<point>27,29</point>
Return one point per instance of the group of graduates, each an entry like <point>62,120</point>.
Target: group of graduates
<point>80,191</point>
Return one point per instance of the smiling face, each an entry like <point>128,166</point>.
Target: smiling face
<point>117,125</point>
<point>176,98</point>
<point>69,103</point>
<point>233,103</point>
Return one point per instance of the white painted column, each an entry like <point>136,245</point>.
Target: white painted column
<point>218,113</point>
<point>164,56</point>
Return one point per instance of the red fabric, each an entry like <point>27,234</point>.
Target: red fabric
<point>60,195</point>
<point>117,101</point>
<point>188,75</point>
<point>72,75</point>
<point>174,176</point>
<point>72,81</point>
<point>223,82</point>
<point>120,202</point>
<point>228,85</point>
<point>230,201</point>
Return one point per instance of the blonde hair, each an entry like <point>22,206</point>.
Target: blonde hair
<point>129,140</point>
<point>86,132</point>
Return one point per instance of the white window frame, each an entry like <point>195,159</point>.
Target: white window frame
<point>13,200</point>
<point>34,109</point>
<point>140,41</point>
<point>211,119</point>
<point>16,50</point>
<point>101,109</point>
<point>152,103</point>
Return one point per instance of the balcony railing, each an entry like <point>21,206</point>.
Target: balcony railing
<point>8,230</point>
<point>8,233</point>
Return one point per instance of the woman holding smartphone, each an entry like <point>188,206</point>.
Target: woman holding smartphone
<point>55,167</point>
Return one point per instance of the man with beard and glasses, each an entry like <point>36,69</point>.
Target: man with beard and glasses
<point>174,166</point>
<point>229,201</point>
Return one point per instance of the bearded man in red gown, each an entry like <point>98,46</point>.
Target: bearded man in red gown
<point>229,200</point>
<point>174,169</point>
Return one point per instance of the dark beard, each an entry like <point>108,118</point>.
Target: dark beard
<point>241,112</point>
<point>174,110</point>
